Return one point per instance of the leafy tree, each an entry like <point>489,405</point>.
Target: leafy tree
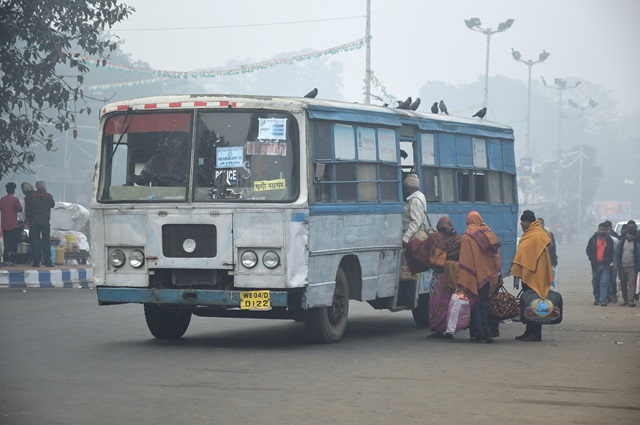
<point>37,39</point>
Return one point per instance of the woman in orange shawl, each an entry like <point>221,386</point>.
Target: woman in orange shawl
<point>479,267</point>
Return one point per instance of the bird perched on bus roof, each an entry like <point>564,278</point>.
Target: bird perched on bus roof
<point>481,113</point>
<point>434,108</point>
<point>443,108</point>
<point>405,104</point>
<point>312,94</point>
<point>415,105</point>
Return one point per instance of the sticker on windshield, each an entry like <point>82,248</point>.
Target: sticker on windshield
<point>229,157</point>
<point>272,128</point>
<point>269,185</point>
<point>267,148</point>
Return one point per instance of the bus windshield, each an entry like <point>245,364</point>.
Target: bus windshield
<point>234,156</point>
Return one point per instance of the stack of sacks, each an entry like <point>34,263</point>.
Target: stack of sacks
<point>67,216</point>
<point>67,220</point>
<point>65,235</point>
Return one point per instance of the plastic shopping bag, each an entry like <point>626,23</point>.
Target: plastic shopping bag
<point>554,284</point>
<point>458,313</point>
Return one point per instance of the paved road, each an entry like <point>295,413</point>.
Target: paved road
<point>65,360</point>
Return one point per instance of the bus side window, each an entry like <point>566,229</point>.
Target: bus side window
<point>345,181</point>
<point>480,186</point>
<point>464,186</point>
<point>430,183</point>
<point>495,191</point>
<point>448,183</point>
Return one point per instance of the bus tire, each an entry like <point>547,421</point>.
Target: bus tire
<point>421,312</point>
<point>166,323</point>
<point>326,325</point>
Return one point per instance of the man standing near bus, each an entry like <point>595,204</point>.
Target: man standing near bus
<point>38,207</point>
<point>9,209</point>
<point>414,214</point>
<point>532,266</point>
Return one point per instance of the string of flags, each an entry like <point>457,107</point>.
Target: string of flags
<point>243,69</point>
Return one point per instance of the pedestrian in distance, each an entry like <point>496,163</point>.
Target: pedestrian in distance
<point>9,209</point>
<point>532,266</point>
<point>600,254</point>
<point>626,258</point>
<point>38,205</point>
<point>613,273</point>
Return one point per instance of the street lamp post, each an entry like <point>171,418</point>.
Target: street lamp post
<point>474,25</point>
<point>541,58</point>
<point>560,85</point>
<point>591,104</point>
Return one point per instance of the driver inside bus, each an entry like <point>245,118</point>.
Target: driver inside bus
<point>169,165</point>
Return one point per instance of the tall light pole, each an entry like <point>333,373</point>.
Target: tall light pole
<point>474,25</point>
<point>560,85</point>
<point>541,58</point>
<point>590,105</point>
<point>367,79</point>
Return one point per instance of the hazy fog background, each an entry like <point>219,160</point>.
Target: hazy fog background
<point>419,48</point>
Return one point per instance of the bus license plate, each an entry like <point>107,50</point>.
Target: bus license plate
<point>255,300</point>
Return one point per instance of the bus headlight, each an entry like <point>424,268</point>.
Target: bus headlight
<point>117,258</point>
<point>270,259</point>
<point>136,259</point>
<point>249,259</point>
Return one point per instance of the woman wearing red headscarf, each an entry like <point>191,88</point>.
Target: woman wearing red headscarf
<point>479,268</point>
<point>444,251</point>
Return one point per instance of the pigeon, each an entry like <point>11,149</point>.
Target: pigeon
<point>434,108</point>
<point>443,108</point>
<point>405,104</point>
<point>481,113</point>
<point>312,94</point>
<point>415,105</point>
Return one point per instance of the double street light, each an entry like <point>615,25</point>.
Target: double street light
<point>474,25</point>
<point>541,58</point>
<point>560,85</point>
<point>590,105</point>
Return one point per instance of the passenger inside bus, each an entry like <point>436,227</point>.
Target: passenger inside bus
<point>169,165</point>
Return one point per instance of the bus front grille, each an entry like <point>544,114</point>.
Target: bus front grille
<point>175,235</point>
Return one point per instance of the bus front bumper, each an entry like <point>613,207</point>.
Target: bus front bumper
<point>180,297</point>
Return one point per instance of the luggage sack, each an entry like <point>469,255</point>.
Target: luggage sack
<point>503,305</point>
<point>538,311</point>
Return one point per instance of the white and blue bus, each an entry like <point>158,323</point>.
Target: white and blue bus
<point>279,207</point>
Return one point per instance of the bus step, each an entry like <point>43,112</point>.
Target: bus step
<point>407,295</point>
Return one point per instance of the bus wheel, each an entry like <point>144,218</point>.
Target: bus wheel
<point>166,323</point>
<point>326,325</point>
<point>421,312</point>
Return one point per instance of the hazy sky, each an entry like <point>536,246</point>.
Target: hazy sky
<point>414,41</point>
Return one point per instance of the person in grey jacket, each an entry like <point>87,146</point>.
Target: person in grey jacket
<point>38,207</point>
<point>626,259</point>
<point>414,214</point>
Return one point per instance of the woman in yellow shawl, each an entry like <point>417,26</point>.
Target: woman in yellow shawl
<point>479,267</point>
<point>532,265</point>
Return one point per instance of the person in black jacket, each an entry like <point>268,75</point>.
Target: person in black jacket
<point>626,258</point>
<point>600,253</point>
<point>38,207</point>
